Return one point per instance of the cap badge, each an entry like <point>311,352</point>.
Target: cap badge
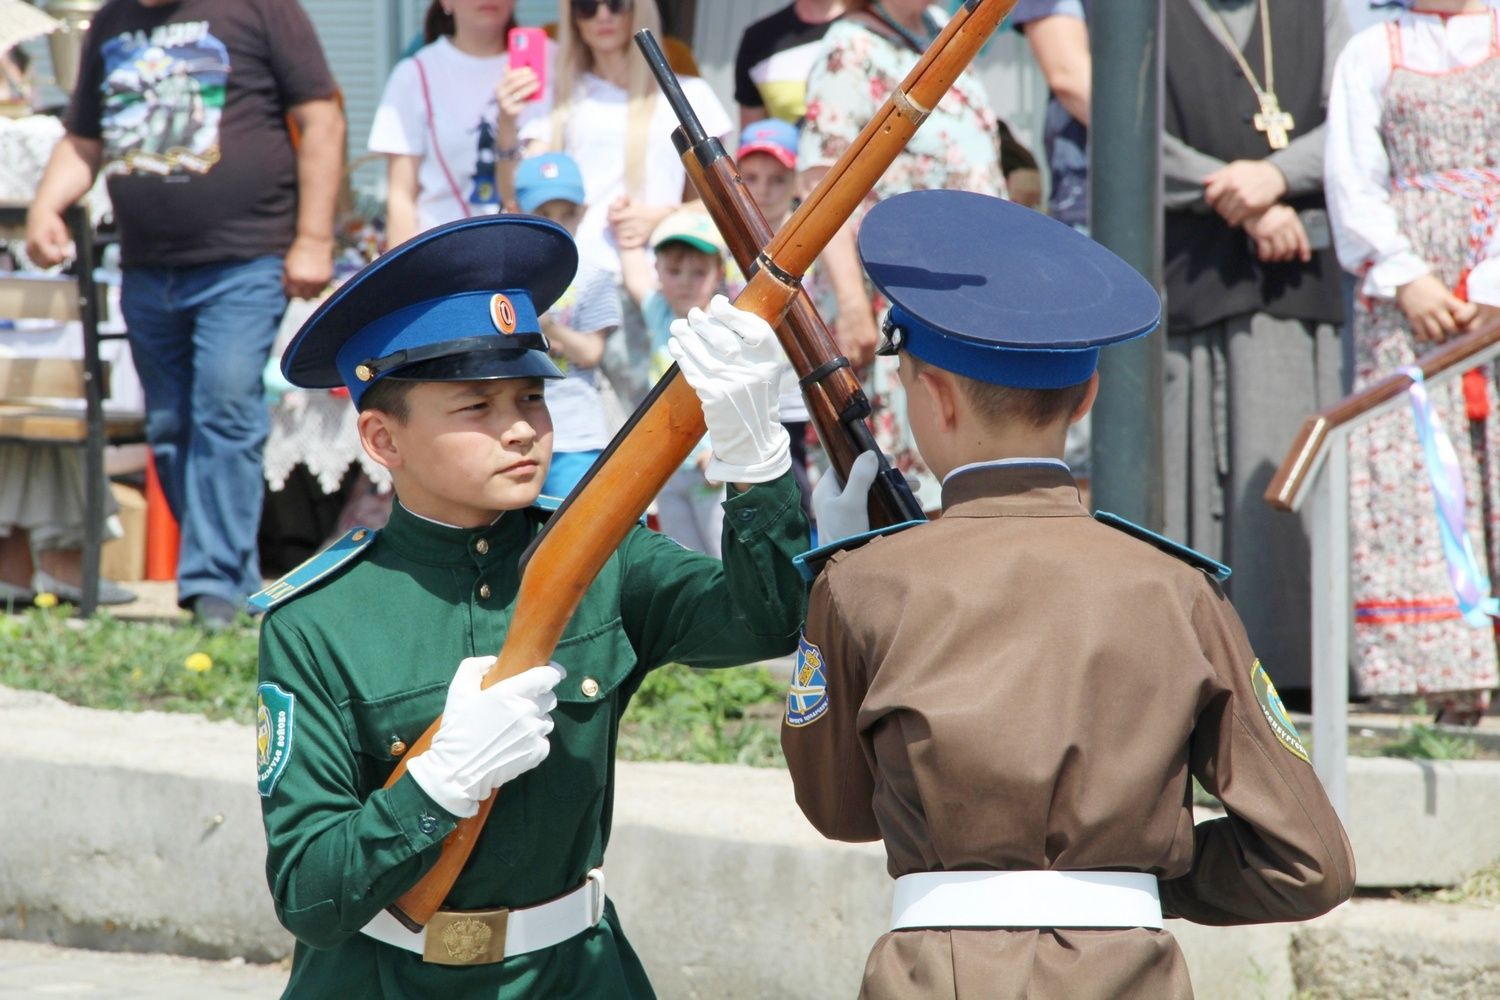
<point>503,313</point>
<point>550,171</point>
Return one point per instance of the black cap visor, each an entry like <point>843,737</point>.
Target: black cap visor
<point>478,366</point>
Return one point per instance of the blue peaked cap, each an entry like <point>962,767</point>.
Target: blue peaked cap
<point>985,288</point>
<point>460,301</point>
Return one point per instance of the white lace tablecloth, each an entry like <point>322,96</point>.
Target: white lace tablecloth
<point>317,429</point>
<point>312,426</point>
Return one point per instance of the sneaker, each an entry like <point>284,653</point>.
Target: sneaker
<point>212,614</point>
<point>109,592</point>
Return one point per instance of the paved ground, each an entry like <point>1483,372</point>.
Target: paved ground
<point>29,970</point>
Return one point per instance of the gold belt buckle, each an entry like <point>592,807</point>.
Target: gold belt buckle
<point>466,937</point>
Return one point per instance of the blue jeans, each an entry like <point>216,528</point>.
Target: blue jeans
<point>200,337</point>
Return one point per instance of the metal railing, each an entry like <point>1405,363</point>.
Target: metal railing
<point>1315,472</point>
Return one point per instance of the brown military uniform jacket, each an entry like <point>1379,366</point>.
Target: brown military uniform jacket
<point>1017,686</point>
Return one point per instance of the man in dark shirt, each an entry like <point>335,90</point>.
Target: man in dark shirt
<point>776,53</point>
<point>183,104</point>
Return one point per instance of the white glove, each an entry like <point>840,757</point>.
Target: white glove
<point>488,736</point>
<point>731,358</point>
<point>844,513</point>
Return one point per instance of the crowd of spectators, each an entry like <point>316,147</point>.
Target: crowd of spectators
<point>1293,159</point>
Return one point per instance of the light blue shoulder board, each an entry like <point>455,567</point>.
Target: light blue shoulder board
<point>811,562</point>
<point>316,569</point>
<point>1198,560</point>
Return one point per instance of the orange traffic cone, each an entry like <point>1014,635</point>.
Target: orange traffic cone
<point>161,529</point>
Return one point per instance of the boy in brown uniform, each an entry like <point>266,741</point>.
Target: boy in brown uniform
<point>1015,696</point>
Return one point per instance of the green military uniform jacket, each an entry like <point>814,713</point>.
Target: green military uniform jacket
<point>364,659</point>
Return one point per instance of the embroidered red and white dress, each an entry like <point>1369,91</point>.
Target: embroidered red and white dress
<point>1413,173</point>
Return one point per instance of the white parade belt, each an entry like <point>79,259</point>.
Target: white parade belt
<point>478,937</point>
<point>1026,899</point>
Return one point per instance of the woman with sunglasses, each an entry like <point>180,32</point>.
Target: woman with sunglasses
<point>438,117</point>
<point>608,115</point>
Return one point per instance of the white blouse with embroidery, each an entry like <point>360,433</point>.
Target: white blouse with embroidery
<point>1357,173</point>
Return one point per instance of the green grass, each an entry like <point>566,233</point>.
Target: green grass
<point>1480,889</point>
<point>129,666</point>
<point>1424,741</point>
<point>707,716</point>
<point>703,716</point>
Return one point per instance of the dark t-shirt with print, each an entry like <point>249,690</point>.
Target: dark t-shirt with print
<point>189,100</point>
<point>775,55</point>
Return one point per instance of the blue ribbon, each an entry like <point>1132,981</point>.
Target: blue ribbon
<point>1471,584</point>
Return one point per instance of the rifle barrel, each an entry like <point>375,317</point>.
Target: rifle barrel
<point>656,61</point>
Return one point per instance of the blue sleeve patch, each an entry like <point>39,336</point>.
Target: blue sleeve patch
<point>807,698</point>
<point>811,562</point>
<point>274,725</point>
<point>317,568</point>
<point>1212,567</point>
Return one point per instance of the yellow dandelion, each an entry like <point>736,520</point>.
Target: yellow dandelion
<point>137,674</point>
<point>45,600</point>
<point>198,662</point>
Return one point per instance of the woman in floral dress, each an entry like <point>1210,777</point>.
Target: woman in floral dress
<point>1413,175</point>
<point>866,54</point>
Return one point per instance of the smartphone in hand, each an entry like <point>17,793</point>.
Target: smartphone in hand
<point>528,47</point>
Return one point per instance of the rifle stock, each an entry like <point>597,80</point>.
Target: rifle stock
<point>602,509</point>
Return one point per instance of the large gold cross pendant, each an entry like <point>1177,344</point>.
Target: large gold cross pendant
<point>1273,121</point>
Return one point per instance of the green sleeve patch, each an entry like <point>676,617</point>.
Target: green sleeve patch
<point>274,727</point>
<point>1275,711</point>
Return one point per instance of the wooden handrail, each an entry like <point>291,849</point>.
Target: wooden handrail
<point>1307,451</point>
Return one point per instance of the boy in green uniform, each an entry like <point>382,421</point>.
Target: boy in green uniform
<point>439,345</point>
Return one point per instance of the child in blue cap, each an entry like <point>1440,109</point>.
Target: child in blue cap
<point>441,347</point>
<point>1016,697</point>
<point>577,326</point>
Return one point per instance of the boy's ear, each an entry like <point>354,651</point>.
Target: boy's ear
<point>378,441</point>
<point>944,393</point>
<point>1087,402</point>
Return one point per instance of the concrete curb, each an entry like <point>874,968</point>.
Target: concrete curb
<point>142,832</point>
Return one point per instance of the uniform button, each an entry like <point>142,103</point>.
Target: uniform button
<point>484,591</point>
<point>398,748</point>
<point>481,546</point>
<point>427,823</point>
<point>589,687</point>
<point>748,514</point>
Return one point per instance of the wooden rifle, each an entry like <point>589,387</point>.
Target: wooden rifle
<point>606,505</point>
<point>835,402</point>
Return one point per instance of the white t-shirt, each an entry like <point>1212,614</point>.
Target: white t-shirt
<point>461,88</point>
<point>595,136</point>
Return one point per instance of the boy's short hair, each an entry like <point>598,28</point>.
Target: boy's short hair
<point>388,395</point>
<point>1002,404</point>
